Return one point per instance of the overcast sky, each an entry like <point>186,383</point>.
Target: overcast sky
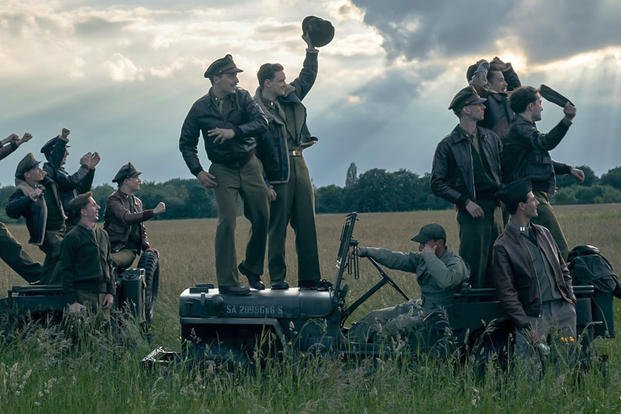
<point>122,76</point>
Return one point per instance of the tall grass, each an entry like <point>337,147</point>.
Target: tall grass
<point>59,370</point>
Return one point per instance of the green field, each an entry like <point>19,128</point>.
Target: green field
<point>40,371</point>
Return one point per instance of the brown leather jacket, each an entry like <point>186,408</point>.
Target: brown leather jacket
<point>119,219</point>
<point>514,274</point>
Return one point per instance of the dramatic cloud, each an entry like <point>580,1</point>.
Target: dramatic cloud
<point>123,75</point>
<point>543,30</point>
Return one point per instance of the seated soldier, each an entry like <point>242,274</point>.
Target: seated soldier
<point>532,280</point>
<point>124,218</point>
<point>37,199</point>
<point>439,273</point>
<point>85,267</point>
<point>69,186</point>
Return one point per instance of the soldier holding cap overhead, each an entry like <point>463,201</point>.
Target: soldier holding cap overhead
<point>529,272</point>
<point>69,185</point>
<point>10,250</point>
<point>526,155</point>
<point>85,267</point>
<point>230,120</point>
<point>439,273</point>
<point>281,152</point>
<point>124,218</point>
<point>37,199</point>
<point>466,172</point>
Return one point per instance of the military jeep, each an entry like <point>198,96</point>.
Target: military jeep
<point>243,328</point>
<point>136,293</point>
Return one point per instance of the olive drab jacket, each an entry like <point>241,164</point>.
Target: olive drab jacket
<point>439,278</point>
<point>452,174</point>
<point>513,273</point>
<point>122,212</point>
<point>35,212</point>
<point>239,113</point>
<point>85,262</point>
<point>272,146</point>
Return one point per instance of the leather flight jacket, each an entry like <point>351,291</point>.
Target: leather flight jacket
<point>239,113</point>
<point>69,185</point>
<point>119,219</point>
<point>513,273</point>
<point>525,154</point>
<point>272,146</point>
<point>35,212</point>
<point>452,175</point>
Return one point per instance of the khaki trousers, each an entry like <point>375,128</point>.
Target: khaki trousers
<point>547,218</point>
<point>247,182</point>
<point>124,258</point>
<point>14,255</point>
<point>295,204</point>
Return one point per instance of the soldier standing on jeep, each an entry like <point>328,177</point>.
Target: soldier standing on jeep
<point>281,152</point>
<point>230,120</point>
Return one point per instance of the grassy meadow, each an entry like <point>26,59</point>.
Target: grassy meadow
<point>41,371</point>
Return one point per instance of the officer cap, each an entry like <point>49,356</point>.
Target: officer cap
<point>222,65</point>
<point>514,192</point>
<point>432,231</point>
<point>26,164</point>
<point>126,171</point>
<point>319,31</point>
<point>466,96</point>
<point>49,146</point>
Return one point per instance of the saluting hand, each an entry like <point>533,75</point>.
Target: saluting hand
<point>65,133</point>
<point>221,134</point>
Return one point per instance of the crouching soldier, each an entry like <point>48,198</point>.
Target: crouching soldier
<point>124,218</point>
<point>37,199</point>
<point>439,273</point>
<point>85,266</point>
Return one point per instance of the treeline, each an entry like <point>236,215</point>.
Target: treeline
<point>375,190</point>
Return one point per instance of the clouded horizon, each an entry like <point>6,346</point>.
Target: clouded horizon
<point>122,77</point>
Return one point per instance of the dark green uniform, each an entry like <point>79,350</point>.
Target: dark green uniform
<point>85,266</point>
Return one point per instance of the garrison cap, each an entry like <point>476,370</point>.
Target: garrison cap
<point>126,171</point>
<point>319,31</point>
<point>222,65</point>
<point>466,96</point>
<point>79,202</point>
<point>514,192</point>
<point>432,231</point>
<point>26,164</point>
<point>49,146</point>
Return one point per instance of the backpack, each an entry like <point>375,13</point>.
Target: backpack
<point>587,266</point>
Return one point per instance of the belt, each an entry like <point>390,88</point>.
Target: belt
<point>295,153</point>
